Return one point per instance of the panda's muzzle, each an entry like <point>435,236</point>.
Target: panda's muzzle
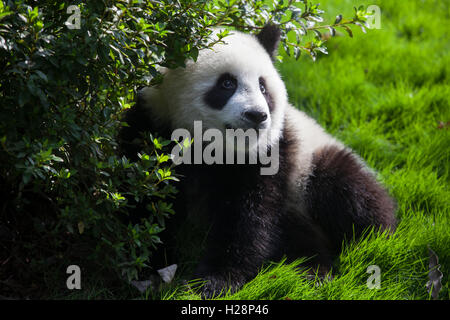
<point>255,118</point>
<point>252,119</point>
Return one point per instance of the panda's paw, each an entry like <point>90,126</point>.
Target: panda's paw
<point>214,287</point>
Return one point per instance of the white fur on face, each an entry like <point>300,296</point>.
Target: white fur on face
<point>180,98</point>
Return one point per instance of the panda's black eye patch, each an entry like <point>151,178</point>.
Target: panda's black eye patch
<point>224,88</point>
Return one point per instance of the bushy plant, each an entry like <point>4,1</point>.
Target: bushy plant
<point>66,190</point>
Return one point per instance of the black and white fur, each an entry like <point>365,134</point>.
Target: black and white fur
<point>322,193</point>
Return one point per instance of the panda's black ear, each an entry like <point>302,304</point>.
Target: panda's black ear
<point>269,37</point>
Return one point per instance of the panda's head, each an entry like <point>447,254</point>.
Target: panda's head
<point>234,85</point>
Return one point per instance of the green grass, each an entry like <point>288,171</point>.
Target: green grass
<point>384,94</point>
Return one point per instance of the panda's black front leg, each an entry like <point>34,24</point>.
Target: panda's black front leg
<point>217,284</point>
<point>238,245</point>
<point>218,274</point>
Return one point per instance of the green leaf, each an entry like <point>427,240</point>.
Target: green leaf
<point>361,26</point>
<point>297,52</point>
<point>194,53</point>
<point>318,34</point>
<point>332,31</point>
<point>162,158</point>
<point>80,227</point>
<point>349,31</point>
<point>56,158</point>
<point>157,144</point>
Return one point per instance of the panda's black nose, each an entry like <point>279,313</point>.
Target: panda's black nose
<point>255,116</point>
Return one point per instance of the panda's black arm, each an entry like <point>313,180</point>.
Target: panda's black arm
<point>344,197</point>
<point>234,258</point>
<point>247,227</point>
<point>138,120</point>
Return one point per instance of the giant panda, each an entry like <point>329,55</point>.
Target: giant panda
<point>321,194</point>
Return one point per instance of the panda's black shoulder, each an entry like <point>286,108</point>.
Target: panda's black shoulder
<point>138,119</point>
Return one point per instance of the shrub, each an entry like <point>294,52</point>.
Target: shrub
<point>66,190</point>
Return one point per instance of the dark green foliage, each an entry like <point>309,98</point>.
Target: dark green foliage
<point>66,191</point>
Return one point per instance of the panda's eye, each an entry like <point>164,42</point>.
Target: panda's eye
<point>262,88</point>
<point>228,84</point>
